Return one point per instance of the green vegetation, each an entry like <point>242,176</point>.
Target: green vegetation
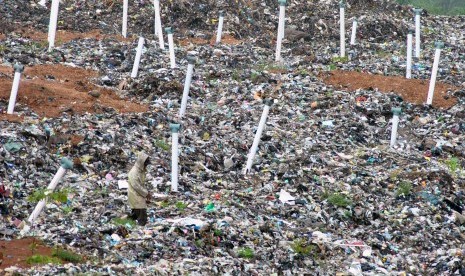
<point>59,196</point>
<point>347,214</point>
<point>35,46</point>
<point>41,259</point>
<point>58,256</point>
<point>440,7</point>
<point>164,203</point>
<point>271,67</point>
<point>124,222</point>
<point>66,256</point>
<point>332,67</point>
<point>300,247</point>
<point>181,206</point>
<point>162,145</point>
<point>246,253</point>
<point>254,76</point>
<point>339,200</point>
<point>303,72</point>
<point>404,189</point>
<point>199,243</point>
<point>67,209</point>
<point>340,59</point>
<point>453,164</point>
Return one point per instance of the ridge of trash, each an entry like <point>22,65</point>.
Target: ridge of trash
<point>326,195</point>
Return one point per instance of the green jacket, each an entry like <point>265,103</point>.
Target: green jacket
<point>137,190</point>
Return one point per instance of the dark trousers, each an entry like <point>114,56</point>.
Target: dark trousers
<point>140,215</point>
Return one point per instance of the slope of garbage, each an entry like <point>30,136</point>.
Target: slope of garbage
<point>327,195</point>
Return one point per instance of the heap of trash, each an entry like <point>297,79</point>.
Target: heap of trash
<point>329,190</point>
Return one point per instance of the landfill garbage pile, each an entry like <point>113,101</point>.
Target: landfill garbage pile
<point>326,194</point>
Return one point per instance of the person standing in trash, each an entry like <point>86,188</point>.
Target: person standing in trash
<point>138,196</point>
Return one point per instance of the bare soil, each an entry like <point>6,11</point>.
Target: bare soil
<point>411,90</point>
<point>16,252</point>
<point>66,36</point>
<point>225,39</point>
<point>50,90</point>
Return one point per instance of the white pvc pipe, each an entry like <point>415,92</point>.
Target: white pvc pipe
<point>14,93</point>
<point>158,28</point>
<point>125,18</point>
<point>282,20</point>
<point>258,134</point>
<point>409,56</point>
<point>185,93</point>
<point>434,75</point>
<point>52,26</point>
<point>395,123</point>
<point>155,24</point>
<point>417,35</point>
<point>40,206</point>
<point>354,32</point>
<point>171,45</point>
<point>135,68</point>
<point>220,29</point>
<point>174,162</point>
<point>343,31</point>
<point>279,37</point>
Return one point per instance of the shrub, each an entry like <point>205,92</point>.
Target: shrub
<point>404,189</point>
<point>339,200</point>
<point>300,247</point>
<point>246,253</point>
<point>67,256</point>
<point>181,205</point>
<point>41,259</point>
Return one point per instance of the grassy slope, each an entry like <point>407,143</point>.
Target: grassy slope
<point>436,7</point>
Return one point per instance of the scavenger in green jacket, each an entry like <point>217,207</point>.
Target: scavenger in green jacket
<point>137,190</point>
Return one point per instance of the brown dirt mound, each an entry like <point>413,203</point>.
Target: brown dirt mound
<point>411,90</point>
<point>225,39</point>
<point>16,252</point>
<point>66,36</point>
<point>50,90</point>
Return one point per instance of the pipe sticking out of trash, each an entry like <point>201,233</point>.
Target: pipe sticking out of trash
<point>158,28</point>
<point>174,156</point>
<point>220,27</point>
<point>52,26</point>
<point>135,67</point>
<point>66,164</point>
<point>342,6</point>
<point>279,38</point>
<point>395,123</point>
<point>157,14</point>
<point>125,18</point>
<point>282,14</point>
<point>14,89</point>
<point>187,84</point>
<point>408,74</point>
<point>354,32</point>
<point>439,45</point>
<point>169,31</point>
<point>258,135</point>
<point>417,31</point>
